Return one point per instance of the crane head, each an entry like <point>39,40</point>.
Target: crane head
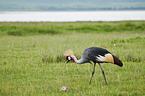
<point>68,55</point>
<point>69,58</point>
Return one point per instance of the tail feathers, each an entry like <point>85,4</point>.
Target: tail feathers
<point>117,61</point>
<point>110,58</point>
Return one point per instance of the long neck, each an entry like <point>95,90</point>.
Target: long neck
<point>77,61</point>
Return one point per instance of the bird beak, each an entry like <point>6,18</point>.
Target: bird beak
<point>67,61</point>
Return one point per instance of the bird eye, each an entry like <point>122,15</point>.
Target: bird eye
<point>68,58</point>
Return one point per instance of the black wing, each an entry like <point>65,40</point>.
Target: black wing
<point>91,53</point>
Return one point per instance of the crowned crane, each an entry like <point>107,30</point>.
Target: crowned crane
<point>95,55</point>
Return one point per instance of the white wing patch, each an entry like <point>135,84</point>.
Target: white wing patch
<point>107,58</point>
<point>100,58</point>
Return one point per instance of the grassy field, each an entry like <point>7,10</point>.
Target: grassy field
<point>32,60</point>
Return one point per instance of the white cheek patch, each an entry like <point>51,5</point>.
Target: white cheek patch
<point>69,58</point>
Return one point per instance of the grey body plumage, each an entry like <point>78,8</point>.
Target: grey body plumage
<point>91,53</point>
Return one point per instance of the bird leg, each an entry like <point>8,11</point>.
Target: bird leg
<point>92,73</point>
<point>103,73</point>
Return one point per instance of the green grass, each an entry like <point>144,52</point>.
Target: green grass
<point>27,28</point>
<point>33,63</point>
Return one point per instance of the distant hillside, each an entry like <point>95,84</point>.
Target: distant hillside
<point>44,5</point>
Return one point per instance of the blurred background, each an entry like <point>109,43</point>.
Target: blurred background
<point>61,5</point>
<point>71,10</point>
